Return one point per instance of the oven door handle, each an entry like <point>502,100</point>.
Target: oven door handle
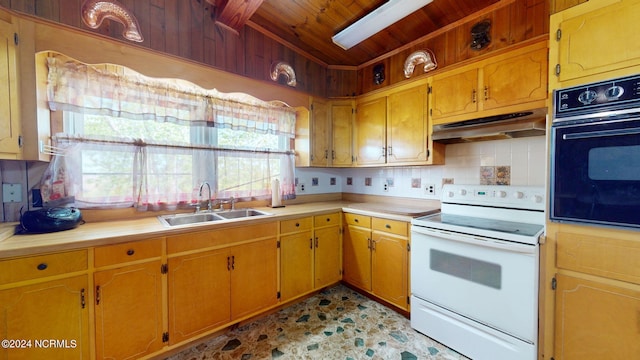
<point>603,133</point>
<point>475,240</point>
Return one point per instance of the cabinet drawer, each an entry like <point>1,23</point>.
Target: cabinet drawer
<point>390,226</point>
<point>296,225</point>
<point>358,220</point>
<point>35,267</point>
<point>126,252</point>
<point>326,220</point>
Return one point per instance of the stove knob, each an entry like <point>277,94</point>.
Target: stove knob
<point>518,195</point>
<point>502,194</point>
<point>614,92</point>
<point>463,192</point>
<point>536,199</point>
<point>587,97</point>
<point>451,194</point>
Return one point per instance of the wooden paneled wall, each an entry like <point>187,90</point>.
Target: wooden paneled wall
<point>518,21</point>
<point>185,28</point>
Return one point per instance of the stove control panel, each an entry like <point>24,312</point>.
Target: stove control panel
<point>519,197</point>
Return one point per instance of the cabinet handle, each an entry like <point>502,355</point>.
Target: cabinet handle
<point>82,301</point>
<point>328,219</point>
<point>368,243</point>
<point>310,243</point>
<point>98,295</point>
<point>229,263</point>
<point>42,266</point>
<point>297,224</point>
<point>333,154</point>
<point>486,93</point>
<point>233,262</point>
<point>355,220</point>
<point>390,151</point>
<point>388,226</point>
<point>373,246</point>
<point>326,154</point>
<point>316,241</point>
<point>473,96</point>
<point>384,151</point>
<point>130,252</point>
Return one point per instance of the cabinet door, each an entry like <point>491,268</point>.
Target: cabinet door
<point>128,311</point>
<point>596,37</point>
<point>516,80</point>
<point>49,310</point>
<point>328,262</point>
<point>453,94</point>
<point>371,118</point>
<point>342,137</point>
<point>320,133</point>
<point>9,105</point>
<point>254,269</point>
<point>389,268</point>
<point>357,257</point>
<point>199,293</point>
<point>296,264</point>
<point>407,126</point>
<point>595,320</point>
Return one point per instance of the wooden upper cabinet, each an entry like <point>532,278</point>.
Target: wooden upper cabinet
<point>10,130</point>
<point>513,81</point>
<point>407,126</point>
<point>320,133</point>
<point>392,128</point>
<point>454,93</point>
<point>342,132</point>
<point>594,38</point>
<point>370,131</point>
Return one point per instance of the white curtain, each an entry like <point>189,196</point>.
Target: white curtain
<point>150,171</point>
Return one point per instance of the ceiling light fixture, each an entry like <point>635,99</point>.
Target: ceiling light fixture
<point>380,18</point>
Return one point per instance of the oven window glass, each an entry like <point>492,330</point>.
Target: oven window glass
<point>615,163</point>
<point>478,271</point>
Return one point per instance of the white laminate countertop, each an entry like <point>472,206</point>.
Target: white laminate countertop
<point>112,232</point>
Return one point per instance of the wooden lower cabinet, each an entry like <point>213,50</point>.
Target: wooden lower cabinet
<point>296,261</point>
<point>210,289</point>
<point>596,320</point>
<point>389,268</point>
<point>310,251</point>
<point>357,254</point>
<point>376,257</point>
<point>51,310</point>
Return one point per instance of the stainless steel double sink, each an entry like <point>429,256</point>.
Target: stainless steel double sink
<point>201,217</point>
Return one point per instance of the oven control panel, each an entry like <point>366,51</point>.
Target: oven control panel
<point>519,197</point>
<point>597,99</point>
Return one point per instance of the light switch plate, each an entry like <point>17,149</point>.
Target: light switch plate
<point>11,193</point>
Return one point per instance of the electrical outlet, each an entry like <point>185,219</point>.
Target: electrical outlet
<point>386,187</point>
<point>301,187</point>
<point>430,189</point>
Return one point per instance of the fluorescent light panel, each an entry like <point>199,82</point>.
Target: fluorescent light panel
<point>374,22</point>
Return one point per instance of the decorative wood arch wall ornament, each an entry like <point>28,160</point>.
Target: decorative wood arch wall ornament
<point>95,11</point>
<point>425,57</point>
<point>282,68</point>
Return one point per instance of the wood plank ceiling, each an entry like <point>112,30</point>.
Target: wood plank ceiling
<point>309,24</point>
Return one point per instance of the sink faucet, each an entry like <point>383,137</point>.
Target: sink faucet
<point>208,198</point>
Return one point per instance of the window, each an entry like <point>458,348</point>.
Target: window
<point>129,140</point>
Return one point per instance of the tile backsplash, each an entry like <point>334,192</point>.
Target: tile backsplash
<point>499,162</point>
<point>508,162</point>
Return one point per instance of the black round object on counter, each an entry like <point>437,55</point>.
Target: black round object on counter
<point>50,220</point>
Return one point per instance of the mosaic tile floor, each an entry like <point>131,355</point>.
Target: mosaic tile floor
<point>337,323</point>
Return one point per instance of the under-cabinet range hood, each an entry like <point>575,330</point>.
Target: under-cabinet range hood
<point>507,126</point>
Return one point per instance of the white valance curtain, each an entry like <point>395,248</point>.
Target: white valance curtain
<point>151,171</point>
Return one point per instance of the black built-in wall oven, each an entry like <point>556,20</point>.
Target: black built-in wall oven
<point>595,147</point>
